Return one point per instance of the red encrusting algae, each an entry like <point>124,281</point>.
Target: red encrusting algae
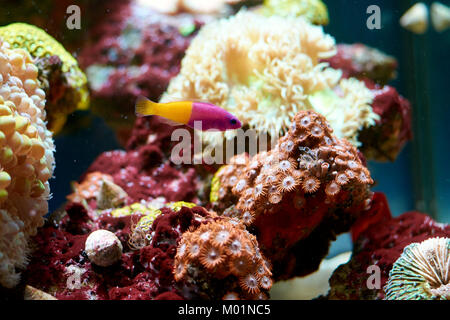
<point>61,267</point>
<point>145,170</point>
<point>384,140</point>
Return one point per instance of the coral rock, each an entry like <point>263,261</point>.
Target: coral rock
<point>61,263</point>
<point>360,61</point>
<point>385,137</point>
<point>145,171</point>
<point>133,51</point>
<point>393,129</point>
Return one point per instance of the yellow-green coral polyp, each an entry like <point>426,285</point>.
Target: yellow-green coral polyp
<point>314,10</point>
<point>40,45</point>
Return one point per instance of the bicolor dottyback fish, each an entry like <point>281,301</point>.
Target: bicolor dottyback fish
<point>210,116</point>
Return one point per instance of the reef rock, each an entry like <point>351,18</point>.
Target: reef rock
<point>167,266</point>
<point>297,197</point>
<point>144,170</point>
<point>134,51</point>
<point>379,241</point>
<point>391,130</point>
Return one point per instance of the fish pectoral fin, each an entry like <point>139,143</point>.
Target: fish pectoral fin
<point>167,121</point>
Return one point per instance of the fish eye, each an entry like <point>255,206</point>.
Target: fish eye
<point>233,121</point>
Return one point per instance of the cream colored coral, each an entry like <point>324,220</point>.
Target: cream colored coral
<point>262,69</point>
<point>13,249</point>
<point>26,159</point>
<point>347,108</point>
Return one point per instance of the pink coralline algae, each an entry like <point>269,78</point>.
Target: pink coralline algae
<point>360,61</point>
<point>136,51</point>
<point>380,241</point>
<point>297,197</point>
<point>384,140</point>
<point>144,171</point>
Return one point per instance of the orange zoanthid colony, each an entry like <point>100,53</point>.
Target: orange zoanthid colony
<point>308,158</point>
<point>223,249</point>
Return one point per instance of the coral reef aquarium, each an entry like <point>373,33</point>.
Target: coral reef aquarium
<point>224,150</point>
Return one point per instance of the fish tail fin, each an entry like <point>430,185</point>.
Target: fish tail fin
<point>144,107</point>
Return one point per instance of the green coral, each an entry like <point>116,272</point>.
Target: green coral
<point>135,208</point>
<point>149,212</point>
<point>314,11</point>
<point>140,235</point>
<point>42,46</point>
<point>176,206</point>
<point>215,186</point>
<point>421,272</point>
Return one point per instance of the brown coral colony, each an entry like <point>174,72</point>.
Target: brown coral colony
<point>309,157</point>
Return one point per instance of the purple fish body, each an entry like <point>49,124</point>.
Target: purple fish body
<point>212,117</point>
